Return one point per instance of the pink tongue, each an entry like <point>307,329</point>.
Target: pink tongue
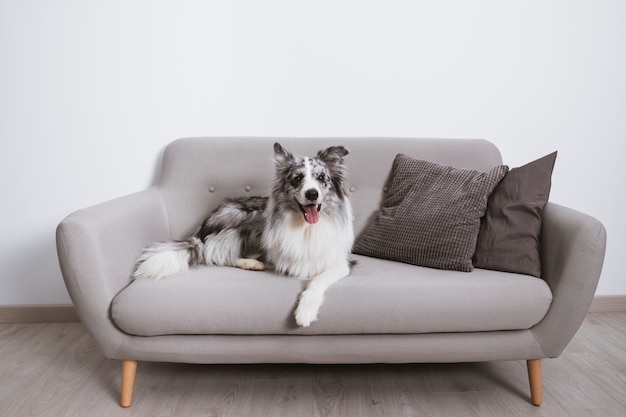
<point>311,215</point>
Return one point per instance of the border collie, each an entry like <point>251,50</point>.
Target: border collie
<point>304,229</point>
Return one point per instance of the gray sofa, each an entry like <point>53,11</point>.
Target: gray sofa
<point>384,312</point>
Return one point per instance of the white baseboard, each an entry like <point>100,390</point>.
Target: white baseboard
<point>66,313</point>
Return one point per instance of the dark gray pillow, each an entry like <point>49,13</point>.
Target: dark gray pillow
<point>430,215</point>
<point>511,229</point>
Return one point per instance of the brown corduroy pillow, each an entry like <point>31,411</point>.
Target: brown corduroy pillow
<point>510,233</point>
<point>430,215</point>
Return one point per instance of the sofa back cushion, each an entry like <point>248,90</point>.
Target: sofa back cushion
<point>198,173</point>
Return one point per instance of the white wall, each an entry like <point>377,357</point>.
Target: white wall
<point>91,91</point>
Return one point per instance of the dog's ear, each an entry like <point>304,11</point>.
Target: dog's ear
<point>333,155</point>
<point>281,155</point>
<point>333,158</point>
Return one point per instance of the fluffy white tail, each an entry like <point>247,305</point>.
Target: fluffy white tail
<point>161,265</point>
<point>162,260</point>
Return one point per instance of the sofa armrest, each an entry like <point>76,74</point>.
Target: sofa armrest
<point>97,247</point>
<point>572,249</point>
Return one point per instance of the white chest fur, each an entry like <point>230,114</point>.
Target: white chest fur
<point>303,250</point>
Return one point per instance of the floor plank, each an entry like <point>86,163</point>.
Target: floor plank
<point>55,369</point>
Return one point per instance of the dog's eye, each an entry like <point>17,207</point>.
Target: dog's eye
<point>322,178</point>
<point>297,180</point>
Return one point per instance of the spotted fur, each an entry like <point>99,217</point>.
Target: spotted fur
<point>304,229</point>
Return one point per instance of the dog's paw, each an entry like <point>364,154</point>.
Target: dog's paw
<point>308,308</point>
<point>250,264</point>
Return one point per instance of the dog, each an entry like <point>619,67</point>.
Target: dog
<point>304,229</point>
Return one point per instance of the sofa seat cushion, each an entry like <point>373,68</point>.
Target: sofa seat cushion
<point>379,297</point>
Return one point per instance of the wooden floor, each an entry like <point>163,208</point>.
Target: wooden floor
<point>56,370</point>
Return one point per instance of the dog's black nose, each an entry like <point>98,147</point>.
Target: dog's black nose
<point>311,194</point>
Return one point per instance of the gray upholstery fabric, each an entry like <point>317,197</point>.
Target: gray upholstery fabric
<point>370,301</point>
<point>431,214</point>
<point>197,173</point>
<point>97,247</point>
<point>572,252</point>
<point>335,349</point>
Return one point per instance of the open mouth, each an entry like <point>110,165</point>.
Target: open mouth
<point>311,212</point>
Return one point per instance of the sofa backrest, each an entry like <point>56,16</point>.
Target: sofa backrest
<point>198,173</point>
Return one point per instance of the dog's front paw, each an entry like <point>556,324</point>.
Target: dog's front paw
<point>250,264</point>
<point>308,307</point>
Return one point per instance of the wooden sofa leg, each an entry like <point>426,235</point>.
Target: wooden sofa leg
<point>534,377</point>
<point>129,370</point>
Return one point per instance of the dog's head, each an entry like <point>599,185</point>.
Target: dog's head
<point>305,184</point>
